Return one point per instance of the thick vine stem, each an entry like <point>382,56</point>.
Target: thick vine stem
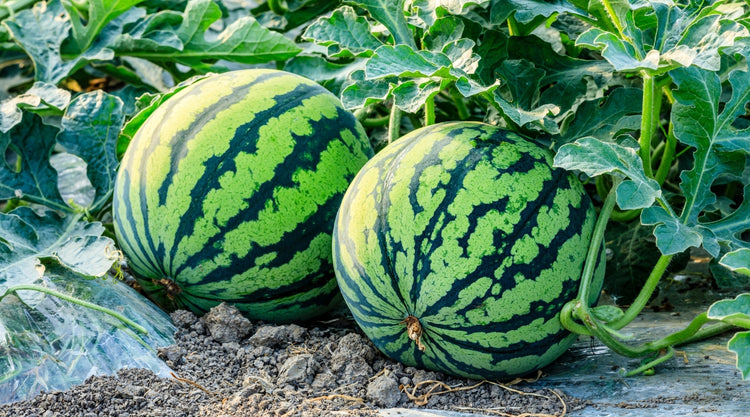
<point>566,318</point>
<point>75,300</point>
<point>277,6</point>
<point>648,121</point>
<point>578,308</point>
<point>394,124</point>
<point>665,162</point>
<point>596,242</point>
<point>458,101</point>
<point>371,122</point>
<point>645,294</point>
<point>429,111</point>
<point>649,365</point>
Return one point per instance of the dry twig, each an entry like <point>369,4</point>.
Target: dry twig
<point>193,383</point>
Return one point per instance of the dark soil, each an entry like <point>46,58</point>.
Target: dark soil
<point>224,365</point>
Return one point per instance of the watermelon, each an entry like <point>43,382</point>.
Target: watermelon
<point>229,190</point>
<point>456,247</point>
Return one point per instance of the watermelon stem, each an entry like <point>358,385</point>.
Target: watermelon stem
<point>645,294</point>
<point>394,125</point>
<point>458,101</point>
<point>596,241</point>
<point>414,330</point>
<point>648,120</point>
<point>429,111</point>
<point>648,367</point>
<point>607,332</point>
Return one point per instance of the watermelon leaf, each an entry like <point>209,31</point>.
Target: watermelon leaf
<point>672,236</point>
<point>167,37</point>
<point>528,10</point>
<point>733,311</point>
<point>358,91</point>
<point>562,81</point>
<point>90,128</point>
<point>42,98</point>
<point>736,312</point>
<point>740,345</point>
<point>595,157</point>
<point>331,75</point>
<point>720,149</point>
<point>659,36</point>
<point>41,32</point>
<point>738,261</point>
<point>443,31</point>
<point>403,61</point>
<point>412,94</point>
<point>391,15</point>
<point>344,34</point>
<point>28,240</point>
<point>85,29</point>
<point>606,118</point>
<point>31,176</point>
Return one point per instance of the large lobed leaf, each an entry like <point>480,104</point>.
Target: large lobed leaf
<point>736,312</point>
<point>28,239</point>
<point>41,31</point>
<point>344,34</point>
<point>657,36</point>
<point>720,151</point>
<point>89,129</point>
<point>390,13</point>
<point>60,41</point>
<point>167,36</point>
<point>31,177</point>
<point>703,122</point>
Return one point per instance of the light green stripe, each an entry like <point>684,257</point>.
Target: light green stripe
<point>214,140</point>
<point>289,206</point>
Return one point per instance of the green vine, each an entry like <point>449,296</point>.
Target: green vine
<point>578,317</point>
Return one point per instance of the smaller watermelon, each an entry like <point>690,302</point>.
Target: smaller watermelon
<point>456,247</point>
<point>228,192</point>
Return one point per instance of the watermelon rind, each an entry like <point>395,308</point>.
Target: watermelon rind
<point>456,247</point>
<point>228,193</point>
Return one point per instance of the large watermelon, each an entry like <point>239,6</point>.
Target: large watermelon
<point>229,190</point>
<point>457,245</point>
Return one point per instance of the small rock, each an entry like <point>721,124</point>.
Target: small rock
<point>383,391</point>
<point>172,353</point>
<point>273,335</point>
<point>226,324</point>
<point>420,375</point>
<point>324,380</point>
<point>352,369</point>
<point>351,357</point>
<point>297,369</point>
<point>352,345</point>
<point>183,318</point>
<point>232,348</point>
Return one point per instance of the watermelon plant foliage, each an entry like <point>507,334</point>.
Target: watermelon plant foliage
<point>646,99</point>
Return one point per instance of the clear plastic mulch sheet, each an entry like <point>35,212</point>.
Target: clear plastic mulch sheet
<point>50,344</point>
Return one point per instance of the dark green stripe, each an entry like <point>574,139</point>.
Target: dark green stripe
<point>141,245</point>
<point>305,156</point>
